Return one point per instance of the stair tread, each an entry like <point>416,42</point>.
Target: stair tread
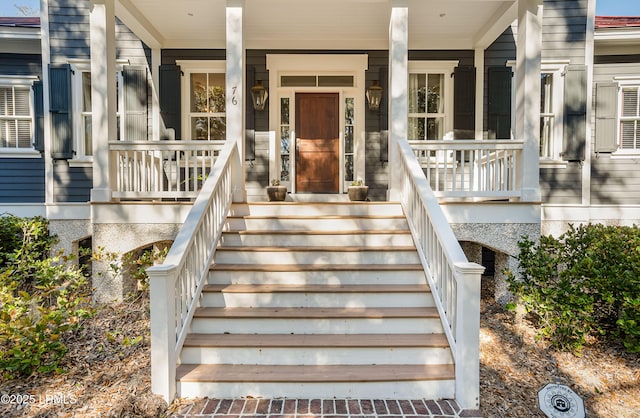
<point>306,288</point>
<point>324,248</point>
<point>315,217</point>
<point>316,313</point>
<point>316,340</point>
<point>316,267</point>
<point>318,232</point>
<point>313,374</point>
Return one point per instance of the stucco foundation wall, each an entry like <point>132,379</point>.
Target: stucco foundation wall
<point>498,237</point>
<point>503,240</point>
<point>120,239</point>
<point>69,232</point>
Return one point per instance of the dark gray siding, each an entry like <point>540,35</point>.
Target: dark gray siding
<point>563,38</point>
<point>564,30</point>
<point>614,180</point>
<point>69,36</point>
<point>21,180</point>
<point>71,184</point>
<point>561,185</point>
<point>20,64</point>
<point>376,127</point>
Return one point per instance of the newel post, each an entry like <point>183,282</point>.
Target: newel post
<point>162,286</point>
<point>467,335</point>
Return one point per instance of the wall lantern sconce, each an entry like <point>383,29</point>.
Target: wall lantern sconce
<point>259,96</point>
<point>374,96</point>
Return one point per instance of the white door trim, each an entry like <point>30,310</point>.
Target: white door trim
<point>317,64</point>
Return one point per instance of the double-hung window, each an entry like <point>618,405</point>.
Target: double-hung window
<point>204,99</point>
<point>16,115</point>
<point>551,109</point>
<point>629,117</point>
<point>83,141</point>
<point>430,101</point>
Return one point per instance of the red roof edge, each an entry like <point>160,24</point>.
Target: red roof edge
<point>604,22</point>
<point>21,22</point>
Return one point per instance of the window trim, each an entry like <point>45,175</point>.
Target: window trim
<point>22,81</point>
<point>624,82</point>
<point>557,68</point>
<point>437,67</point>
<point>78,67</point>
<point>189,67</point>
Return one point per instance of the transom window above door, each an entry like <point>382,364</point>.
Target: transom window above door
<point>204,99</point>
<point>317,81</point>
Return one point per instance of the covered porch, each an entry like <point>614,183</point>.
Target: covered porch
<point>472,169</point>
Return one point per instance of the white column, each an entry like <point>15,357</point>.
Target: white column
<point>589,53</point>
<point>467,335</point>
<point>155,95</point>
<point>162,290</point>
<point>103,93</point>
<point>398,82</point>
<point>529,43</point>
<point>479,64</point>
<point>235,89</point>
<point>46,60</point>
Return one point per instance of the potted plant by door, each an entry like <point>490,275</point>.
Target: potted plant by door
<point>276,192</point>
<point>358,191</point>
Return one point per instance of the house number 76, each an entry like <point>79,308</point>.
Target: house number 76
<point>234,101</point>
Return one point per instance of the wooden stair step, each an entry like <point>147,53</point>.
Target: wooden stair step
<point>316,267</point>
<point>313,374</point>
<point>319,232</point>
<point>314,340</point>
<point>279,288</point>
<point>315,248</point>
<point>316,313</point>
<point>318,217</point>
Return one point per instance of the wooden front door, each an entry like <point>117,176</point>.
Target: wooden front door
<point>318,142</point>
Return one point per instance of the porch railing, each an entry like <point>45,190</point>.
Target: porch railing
<point>176,285</point>
<point>454,281</point>
<point>160,169</point>
<point>478,170</point>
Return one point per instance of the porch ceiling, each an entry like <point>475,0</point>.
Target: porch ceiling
<point>318,24</point>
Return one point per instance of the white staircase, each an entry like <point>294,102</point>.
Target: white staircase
<point>316,300</point>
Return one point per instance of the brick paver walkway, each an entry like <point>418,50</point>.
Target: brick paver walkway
<point>308,408</point>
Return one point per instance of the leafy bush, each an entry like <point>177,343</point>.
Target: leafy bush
<point>42,297</point>
<point>584,283</point>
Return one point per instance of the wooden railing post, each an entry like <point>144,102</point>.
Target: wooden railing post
<point>163,330</point>
<point>467,334</point>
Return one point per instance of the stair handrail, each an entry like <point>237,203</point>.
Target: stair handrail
<point>175,286</point>
<point>454,281</point>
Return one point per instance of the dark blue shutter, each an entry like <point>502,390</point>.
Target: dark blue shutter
<point>38,115</point>
<point>575,116</point>
<point>464,102</point>
<point>170,80</point>
<point>135,91</point>
<point>606,117</point>
<point>499,102</point>
<point>60,108</point>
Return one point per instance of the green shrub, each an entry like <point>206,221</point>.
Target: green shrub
<point>584,283</point>
<point>42,297</point>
